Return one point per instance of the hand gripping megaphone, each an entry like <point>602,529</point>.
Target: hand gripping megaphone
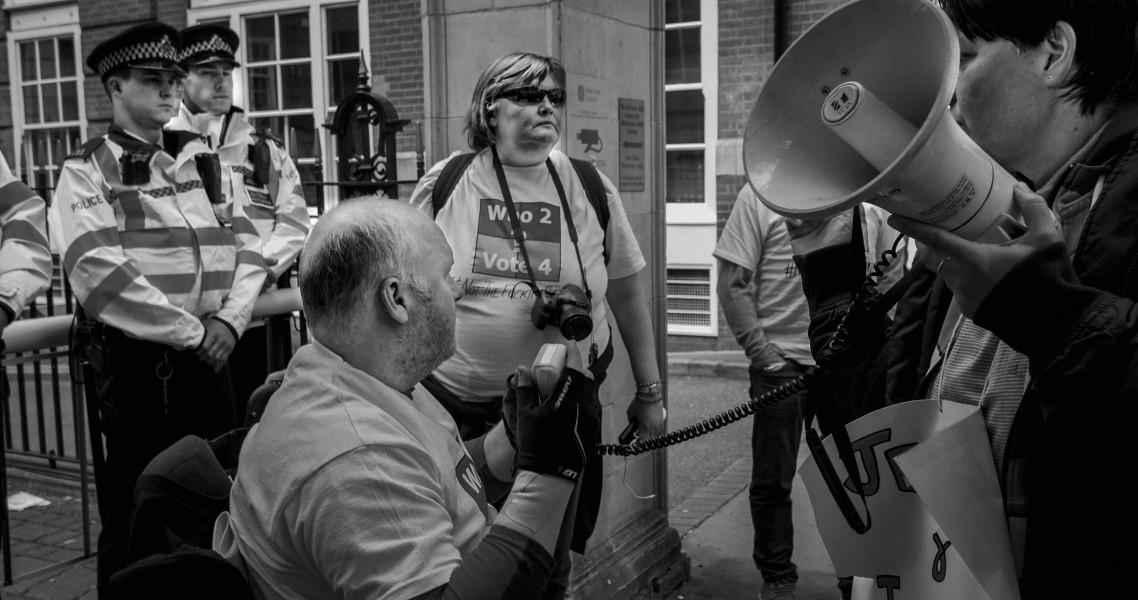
<point>857,110</point>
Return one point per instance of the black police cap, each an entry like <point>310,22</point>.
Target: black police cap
<point>203,44</point>
<point>153,46</point>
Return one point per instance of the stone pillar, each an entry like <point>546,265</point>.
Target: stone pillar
<point>613,57</point>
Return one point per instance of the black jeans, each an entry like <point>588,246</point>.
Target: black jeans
<point>139,417</point>
<point>775,436</point>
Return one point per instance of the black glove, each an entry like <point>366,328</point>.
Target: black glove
<point>556,435</point>
<point>510,412</point>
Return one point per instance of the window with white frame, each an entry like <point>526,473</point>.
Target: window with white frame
<point>686,104</point>
<point>298,59</point>
<point>50,100</point>
<point>690,101</point>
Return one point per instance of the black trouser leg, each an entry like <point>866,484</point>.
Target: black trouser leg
<point>141,417</point>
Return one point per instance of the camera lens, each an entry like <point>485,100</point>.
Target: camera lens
<point>576,324</point>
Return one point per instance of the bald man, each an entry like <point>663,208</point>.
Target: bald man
<point>355,484</point>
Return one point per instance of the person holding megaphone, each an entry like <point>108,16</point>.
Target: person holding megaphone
<point>1040,329</point>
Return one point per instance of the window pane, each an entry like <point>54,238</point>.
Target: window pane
<point>39,149</point>
<point>274,124</point>
<point>294,35</point>
<point>307,175</point>
<point>66,57</point>
<point>305,136</point>
<point>70,92</point>
<point>344,76</point>
<point>298,91</point>
<point>343,30</point>
<point>685,116</point>
<point>681,11</point>
<point>28,62</point>
<point>261,34</point>
<point>685,176</point>
<point>59,138</point>
<point>50,102</point>
<point>47,59</point>
<point>263,83</point>
<point>31,104</point>
<point>681,56</point>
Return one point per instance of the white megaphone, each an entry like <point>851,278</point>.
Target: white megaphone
<point>857,110</point>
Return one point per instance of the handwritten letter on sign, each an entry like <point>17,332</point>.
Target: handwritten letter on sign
<point>937,524</point>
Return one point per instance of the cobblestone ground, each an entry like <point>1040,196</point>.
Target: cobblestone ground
<point>44,537</point>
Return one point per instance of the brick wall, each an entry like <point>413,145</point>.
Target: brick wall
<point>746,58</point>
<point>397,63</point>
<point>100,20</point>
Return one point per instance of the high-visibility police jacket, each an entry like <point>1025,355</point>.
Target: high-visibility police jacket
<point>275,204</point>
<point>25,261</point>
<point>142,245</point>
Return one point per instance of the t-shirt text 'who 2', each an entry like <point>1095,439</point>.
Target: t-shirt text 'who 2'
<point>497,253</point>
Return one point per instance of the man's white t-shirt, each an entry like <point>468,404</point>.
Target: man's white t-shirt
<point>350,489</point>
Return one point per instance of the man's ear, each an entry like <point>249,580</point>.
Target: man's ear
<point>1059,54</point>
<point>391,299</point>
<point>114,85</point>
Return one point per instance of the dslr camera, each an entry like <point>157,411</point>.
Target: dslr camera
<point>568,308</point>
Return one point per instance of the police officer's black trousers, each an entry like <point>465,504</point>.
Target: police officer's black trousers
<point>140,415</point>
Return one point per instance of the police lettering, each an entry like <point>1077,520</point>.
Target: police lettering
<point>85,203</point>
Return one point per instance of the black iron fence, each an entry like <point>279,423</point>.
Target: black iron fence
<point>44,408</point>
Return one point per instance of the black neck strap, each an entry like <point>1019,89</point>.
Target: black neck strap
<point>516,222</point>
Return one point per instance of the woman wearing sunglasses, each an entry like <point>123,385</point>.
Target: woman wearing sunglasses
<point>535,283</point>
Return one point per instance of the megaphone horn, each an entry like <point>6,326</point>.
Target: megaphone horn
<point>883,73</point>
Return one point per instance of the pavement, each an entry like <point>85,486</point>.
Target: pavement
<point>713,522</point>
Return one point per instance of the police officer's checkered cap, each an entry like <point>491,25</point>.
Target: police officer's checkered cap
<point>208,43</point>
<point>147,46</point>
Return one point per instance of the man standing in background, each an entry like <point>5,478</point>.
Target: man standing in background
<point>256,173</point>
<point>761,293</point>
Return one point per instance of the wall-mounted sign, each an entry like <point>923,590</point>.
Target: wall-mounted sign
<point>630,115</point>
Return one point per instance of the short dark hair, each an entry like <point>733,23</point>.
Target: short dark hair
<point>525,68</point>
<point>345,268</point>
<point>1106,55</point>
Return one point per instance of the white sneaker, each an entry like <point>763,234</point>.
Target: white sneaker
<point>778,591</point>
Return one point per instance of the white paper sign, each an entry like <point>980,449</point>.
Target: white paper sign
<point>908,553</point>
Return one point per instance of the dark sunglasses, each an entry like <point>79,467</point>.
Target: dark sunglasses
<point>534,95</point>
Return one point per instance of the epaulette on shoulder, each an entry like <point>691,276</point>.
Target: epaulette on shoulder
<point>88,148</point>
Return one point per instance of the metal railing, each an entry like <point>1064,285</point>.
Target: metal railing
<point>49,432</point>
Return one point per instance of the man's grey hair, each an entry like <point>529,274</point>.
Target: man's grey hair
<point>342,271</point>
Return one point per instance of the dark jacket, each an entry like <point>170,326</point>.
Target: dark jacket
<point>1069,466</point>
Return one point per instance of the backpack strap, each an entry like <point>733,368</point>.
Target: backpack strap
<point>598,197</point>
<point>448,178</point>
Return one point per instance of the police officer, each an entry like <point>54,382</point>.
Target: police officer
<point>166,273</point>
<point>256,172</point>
<point>25,261</point>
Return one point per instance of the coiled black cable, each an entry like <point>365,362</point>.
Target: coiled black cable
<point>838,342</point>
